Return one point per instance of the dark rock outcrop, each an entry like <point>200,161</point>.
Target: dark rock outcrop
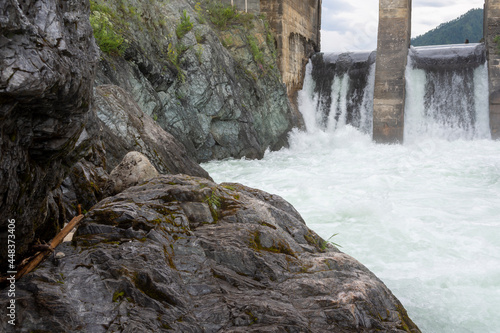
<point>47,63</point>
<point>183,254</point>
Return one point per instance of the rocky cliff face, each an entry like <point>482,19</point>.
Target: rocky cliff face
<point>207,77</point>
<point>47,63</point>
<point>183,254</point>
<point>124,128</point>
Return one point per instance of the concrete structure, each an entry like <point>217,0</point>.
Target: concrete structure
<point>394,32</point>
<point>491,30</point>
<point>392,52</point>
<point>249,6</point>
<point>296,25</point>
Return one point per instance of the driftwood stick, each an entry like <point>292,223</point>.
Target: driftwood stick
<point>40,256</point>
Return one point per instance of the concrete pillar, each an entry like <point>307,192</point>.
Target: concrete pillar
<point>394,31</point>
<point>492,24</point>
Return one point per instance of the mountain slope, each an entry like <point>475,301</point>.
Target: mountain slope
<point>468,26</point>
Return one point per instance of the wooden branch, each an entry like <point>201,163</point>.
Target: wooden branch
<point>40,256</point>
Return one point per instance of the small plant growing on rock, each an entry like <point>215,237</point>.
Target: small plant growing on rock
<point>258,55</point>
<point>108,40</point>
<point>199,53</point>
<point>118,295</point>
<point>199,37</point>
<point>185,26</point>
<point>199,11</point>
<point>173,54</point>
<point>214,203</point>
<point>331,242</point>
<point>227,42</point>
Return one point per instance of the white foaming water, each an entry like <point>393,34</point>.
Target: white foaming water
<point>446,103</point>
<point>423,216</point>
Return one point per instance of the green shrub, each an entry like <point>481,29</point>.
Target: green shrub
<point>185,26</point>
<point>258,55</point>
<point>108,39</point>
<point>221,15</point>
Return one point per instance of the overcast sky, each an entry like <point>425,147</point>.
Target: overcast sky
<point>349,25</point>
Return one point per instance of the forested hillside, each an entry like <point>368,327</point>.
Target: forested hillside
<point>468,26</point>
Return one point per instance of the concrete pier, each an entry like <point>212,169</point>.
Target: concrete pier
<point>394,32</point>
<point>492,29</point>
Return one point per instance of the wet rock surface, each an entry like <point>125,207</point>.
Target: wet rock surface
<point>47,62</point>
<point>183,254</point>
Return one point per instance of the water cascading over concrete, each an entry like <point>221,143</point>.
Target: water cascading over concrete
<point>446,92</point>
<point>338,91</point>
<point>392,46</point>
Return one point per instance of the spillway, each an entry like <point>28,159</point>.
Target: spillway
<point>447,93</point>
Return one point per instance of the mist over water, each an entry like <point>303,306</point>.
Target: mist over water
<point>423,216</point>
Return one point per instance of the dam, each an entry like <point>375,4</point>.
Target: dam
<point>393,46</point>
<point>446,92</point>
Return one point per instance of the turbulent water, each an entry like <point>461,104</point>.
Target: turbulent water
<point>423,216</point>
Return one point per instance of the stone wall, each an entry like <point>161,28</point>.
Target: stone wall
<point>392,53</point>
<point>296,24</point>
<point>492,29</point>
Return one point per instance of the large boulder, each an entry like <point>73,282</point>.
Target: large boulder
<point>134,169</point>
<point>183,254</point>
<point>47,63</point>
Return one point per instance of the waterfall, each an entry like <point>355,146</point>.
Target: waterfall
<point>338,91</point>
<point>446,92</point>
